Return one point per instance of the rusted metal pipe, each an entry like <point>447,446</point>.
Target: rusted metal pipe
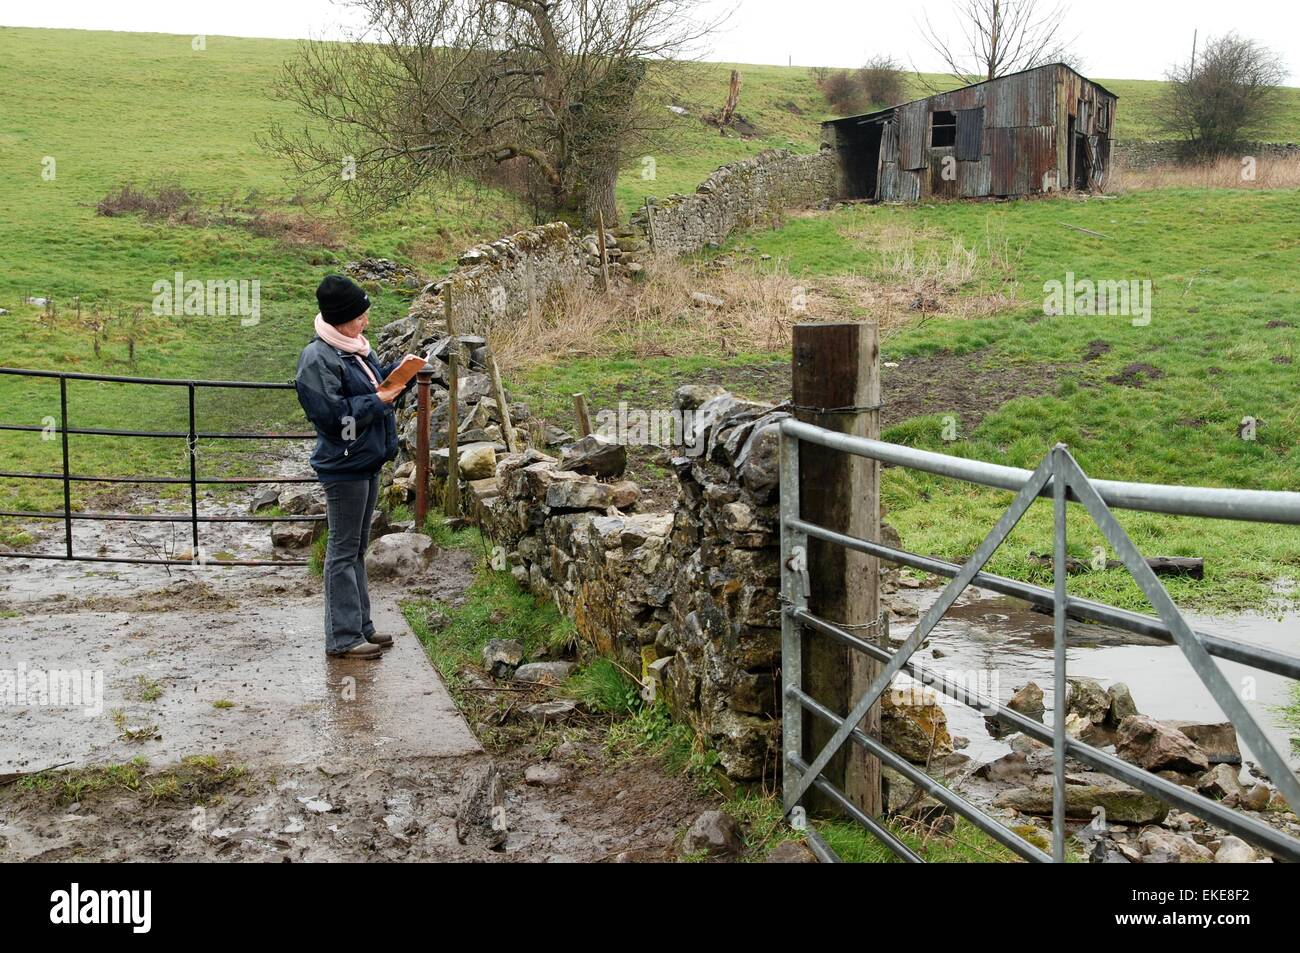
<point>423,378</point>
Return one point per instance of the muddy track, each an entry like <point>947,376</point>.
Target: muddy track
<point>234,738</point>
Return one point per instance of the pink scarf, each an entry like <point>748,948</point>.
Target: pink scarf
<point>357,346</point>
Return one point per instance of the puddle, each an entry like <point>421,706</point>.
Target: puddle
<point>24,582</point>
<point>996,644</point>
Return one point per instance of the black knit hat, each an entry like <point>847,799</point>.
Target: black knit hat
<point>341,299</point>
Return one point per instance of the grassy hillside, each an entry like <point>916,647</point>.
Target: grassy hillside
<point>111,108</point>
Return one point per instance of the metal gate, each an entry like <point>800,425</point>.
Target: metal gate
<point>1060,478</point>
<point>191,436</point>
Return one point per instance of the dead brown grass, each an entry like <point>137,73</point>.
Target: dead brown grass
<point>656,317</point>
<point>156,202</point>
<point>293,228</point>
<point>1222,174</point>
<point>760,303</point>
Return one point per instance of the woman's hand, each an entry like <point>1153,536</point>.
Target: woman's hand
<point>402,375</point>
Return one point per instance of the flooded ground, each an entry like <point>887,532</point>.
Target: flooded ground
<point>1002,642</point>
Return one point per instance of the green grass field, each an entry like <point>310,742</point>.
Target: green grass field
<point>112,108</point>
<point>1223,336</point>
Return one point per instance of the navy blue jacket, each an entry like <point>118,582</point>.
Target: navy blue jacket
<point>356,432</point>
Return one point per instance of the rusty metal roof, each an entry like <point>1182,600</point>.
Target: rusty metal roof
<point>1029,84</point>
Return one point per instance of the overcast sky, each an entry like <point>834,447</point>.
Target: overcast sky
<point>1116,39</point>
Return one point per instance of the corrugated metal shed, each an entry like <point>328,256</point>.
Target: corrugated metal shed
<point>970,134</point>
<point>1030,132</point>
<point>1021,157</point>
<point>974,178</point>
<point>943,173</point>
<point>889,143</point>
<point>913,127</point>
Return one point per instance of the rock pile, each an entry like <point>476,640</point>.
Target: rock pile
<point>384,270</point>
<point>1125,825</point>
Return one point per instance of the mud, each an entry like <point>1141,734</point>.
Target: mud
<point>320,759</point>
<point>1136,375</point>
<point>967,386</point>
<point>970,386</point>
<point>380,808</point>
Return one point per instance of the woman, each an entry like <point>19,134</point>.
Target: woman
<point>338,384</point>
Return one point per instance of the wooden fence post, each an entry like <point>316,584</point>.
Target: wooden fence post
<point>582,414</point>
<point>650,225</point>
<point>451,499</point>
<point>836,385</point>
<point>499,395</point>
<point>604,256</point>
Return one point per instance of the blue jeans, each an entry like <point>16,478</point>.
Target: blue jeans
<point>349,505</point>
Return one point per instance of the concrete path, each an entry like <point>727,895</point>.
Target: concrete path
<point>234,657</point>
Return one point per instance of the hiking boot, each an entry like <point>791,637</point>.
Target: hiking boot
<point>384,641</point>
<point>360,650</point>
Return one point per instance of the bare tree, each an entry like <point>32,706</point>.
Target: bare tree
<point>453,89</point>
<point>997,37</point>
<point>1229,91</point>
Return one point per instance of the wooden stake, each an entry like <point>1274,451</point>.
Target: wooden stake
<point>499,395</point>
<point>733,98</point>
<point>451,499</point>
<point>532,293</point>
<point>650,224</point>
<point>837,386</point>
<point>448,313</point>
<point>580,411</point>
<point>604,258</point>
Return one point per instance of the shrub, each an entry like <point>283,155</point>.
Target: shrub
<point>169,202</point>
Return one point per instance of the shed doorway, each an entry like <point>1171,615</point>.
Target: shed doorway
<point>860,159</point>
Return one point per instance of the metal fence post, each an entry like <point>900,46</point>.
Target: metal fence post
<point>1060,687</point>
<point>794,549</point>
<point>423,377</point>
<point>192,442</point>
<point>67,484</point>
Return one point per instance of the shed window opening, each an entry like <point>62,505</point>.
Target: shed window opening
<point>943,128</point>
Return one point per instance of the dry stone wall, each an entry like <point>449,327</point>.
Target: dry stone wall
<point>1139,154</point>
<point>744,194</point>
<point>686,596</point>
<point>500,281</point>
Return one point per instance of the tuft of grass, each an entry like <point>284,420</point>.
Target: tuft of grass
<point>604,687</point>
<point>761,816</point>
<point>467,537</point>
<point>223,703</point>
<point>1268,173</point>
<point>316,559</point>
<point>1291,716</point>
<point>196,779</point>
<point>148,689</point>
<point>494,608</point>
<point>651,731</point>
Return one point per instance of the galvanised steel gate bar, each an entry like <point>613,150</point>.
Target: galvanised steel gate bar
<point>192,436</point>
<point>1060,477</point>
